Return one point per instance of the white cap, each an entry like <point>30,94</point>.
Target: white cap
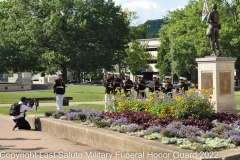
<point>127,75</point>
<point>109,72</point>
<point>182,78</point>
<point>140,76</point>
<point>117,74</point>
<point>59,73</point>
<point>170,77</point>
<point>155,76</point>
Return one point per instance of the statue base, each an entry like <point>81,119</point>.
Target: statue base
<point>218,72</point>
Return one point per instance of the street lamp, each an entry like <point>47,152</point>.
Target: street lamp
<point>172,49</point>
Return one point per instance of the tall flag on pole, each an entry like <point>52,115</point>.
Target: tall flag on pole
<point>205,11</point>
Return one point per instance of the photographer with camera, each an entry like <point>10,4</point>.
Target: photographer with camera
<point>20,120</point>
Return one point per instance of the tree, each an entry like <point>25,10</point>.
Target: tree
<point>66,34</point>
<point>190,42</point>
<point>155,25</point>
<point>137,57</point>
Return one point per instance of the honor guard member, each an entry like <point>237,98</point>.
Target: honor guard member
<point>127,86</point>
<point>140,87</point>
<point>59,90</point>
<point>117,83</point>
<point>182,87</point>
<point>109,89</point>
<point>168,87</point>
<point>20,120</point>
<point>156,86</point>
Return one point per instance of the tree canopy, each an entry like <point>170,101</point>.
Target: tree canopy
<point>184,36</point>
<point>43,35</point>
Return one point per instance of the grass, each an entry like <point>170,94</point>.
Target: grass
<point>80,93</point>
<point>237,99</point>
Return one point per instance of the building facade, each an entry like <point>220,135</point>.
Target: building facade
<point>152,46</point>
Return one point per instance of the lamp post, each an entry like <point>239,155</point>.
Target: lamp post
<point>172,49</point>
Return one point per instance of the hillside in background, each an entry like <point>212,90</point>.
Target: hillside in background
<point>155,25</point>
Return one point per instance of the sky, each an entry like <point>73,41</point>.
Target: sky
<point>151,9</point>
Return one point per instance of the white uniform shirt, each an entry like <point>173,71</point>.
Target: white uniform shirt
<point>23,108</point>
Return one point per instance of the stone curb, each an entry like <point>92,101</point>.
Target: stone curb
<point>123,144</point>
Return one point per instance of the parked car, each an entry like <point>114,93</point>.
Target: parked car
<point>72,82</point>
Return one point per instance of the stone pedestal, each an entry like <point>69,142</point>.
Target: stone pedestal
<point>218,72</point>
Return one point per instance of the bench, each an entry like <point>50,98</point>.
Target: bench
<point>65,99</point>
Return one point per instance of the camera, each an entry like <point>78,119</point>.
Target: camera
<point>31,102</point>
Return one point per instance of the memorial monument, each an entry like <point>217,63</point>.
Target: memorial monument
<point>217,71</point>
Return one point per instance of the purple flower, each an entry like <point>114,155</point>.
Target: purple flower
<point>235,138</point>
<point>189,131</point>
<point>228,133</point>
<point>237,122</point>
<point>222,128</point>
<point>174,124</point>
<point>71,116</point>
<point>58,114</point>
<point>153,129</point>
<point>120,121</point>
<point>75,110</point>
<point>210,134</point>
<point>132,128</point>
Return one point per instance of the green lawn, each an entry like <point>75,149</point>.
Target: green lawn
<point>237,99</point>
<point>80,93</point>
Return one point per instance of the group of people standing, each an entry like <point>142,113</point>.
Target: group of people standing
<point>114,84</point>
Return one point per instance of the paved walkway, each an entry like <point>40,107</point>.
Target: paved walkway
<point>54,104</point>
<point>37,145</point>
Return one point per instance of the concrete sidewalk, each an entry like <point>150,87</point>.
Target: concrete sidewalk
<point>36,145</point>
<point>54,104</point>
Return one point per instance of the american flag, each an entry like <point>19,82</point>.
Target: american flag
<point>205,11</point>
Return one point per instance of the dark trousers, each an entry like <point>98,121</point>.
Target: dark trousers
<point>21,123</point>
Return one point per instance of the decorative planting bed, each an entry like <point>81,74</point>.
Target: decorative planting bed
<point>187,121</point>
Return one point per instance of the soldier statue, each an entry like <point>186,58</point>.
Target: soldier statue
<point>213,30</point>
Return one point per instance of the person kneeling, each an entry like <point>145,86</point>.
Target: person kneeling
<point>21,122</point>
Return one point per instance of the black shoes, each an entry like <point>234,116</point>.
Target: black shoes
<point>14,127</point>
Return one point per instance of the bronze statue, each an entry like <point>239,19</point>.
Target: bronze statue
<point>213,30</point>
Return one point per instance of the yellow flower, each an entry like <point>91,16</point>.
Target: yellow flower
<point>128,93</point>
<point>203,91</point>
<point>186,106</point>
<point>123,95</point>
<point>197,102</point>
<point>178,98</point>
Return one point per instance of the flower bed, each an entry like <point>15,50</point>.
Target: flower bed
<point>222,130</point>
<point>187,120</point>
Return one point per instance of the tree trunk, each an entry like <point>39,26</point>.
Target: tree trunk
<point>64,73</point>
<point>79,76</point>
